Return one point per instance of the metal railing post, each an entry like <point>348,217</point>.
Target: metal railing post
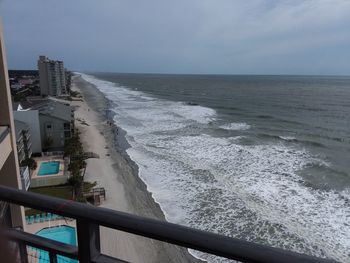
<point>88,241</point>
<point>23,252</point>
<point>53,257</point>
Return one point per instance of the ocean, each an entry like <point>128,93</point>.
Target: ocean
<point>261,158</point>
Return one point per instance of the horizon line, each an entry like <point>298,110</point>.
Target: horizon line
<point>200,74</point>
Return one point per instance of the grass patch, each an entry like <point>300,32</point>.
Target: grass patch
<point>61,191</point>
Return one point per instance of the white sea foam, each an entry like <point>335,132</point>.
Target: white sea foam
<point>235,126</point>
<point>252,192</point>
<point>287,138</point>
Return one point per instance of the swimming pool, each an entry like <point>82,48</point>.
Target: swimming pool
<point>64,234</point>
<point>48,168</point>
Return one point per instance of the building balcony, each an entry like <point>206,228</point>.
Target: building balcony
<point>89,219</point>
<point>21,156</point>
<point>25,177</point>
<point>20,146</point>
<point>67,126</point>
<point>5,144</point>
<point>29,145</point>
<point>20,138</point>
<point>28,135</point>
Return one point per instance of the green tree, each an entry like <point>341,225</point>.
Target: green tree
<point>74,148</point>
<point>73,145</point>
<point>30,162</point>
<point>75,182</point>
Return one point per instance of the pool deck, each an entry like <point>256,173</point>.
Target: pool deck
<point>41,160</point>
<point>35,227</point>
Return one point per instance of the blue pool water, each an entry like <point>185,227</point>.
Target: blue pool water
<point>64,234</point>
<point>47,168</point>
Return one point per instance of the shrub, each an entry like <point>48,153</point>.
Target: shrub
<point>30,162</point>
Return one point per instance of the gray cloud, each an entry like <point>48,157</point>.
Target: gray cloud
<point>198,36</point>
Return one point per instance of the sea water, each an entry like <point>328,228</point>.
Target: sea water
<point>260,158</point>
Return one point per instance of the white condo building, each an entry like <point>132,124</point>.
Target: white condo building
<point>52,77</point>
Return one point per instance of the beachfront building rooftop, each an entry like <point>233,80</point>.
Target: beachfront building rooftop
<point>52,77</point>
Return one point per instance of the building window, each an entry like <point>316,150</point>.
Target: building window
<point>66,126</point>
<point>48,126</point>
<point>67,134</point>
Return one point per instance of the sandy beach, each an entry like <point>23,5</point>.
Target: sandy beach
<point>114,171</point>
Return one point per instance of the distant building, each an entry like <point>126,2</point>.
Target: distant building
<point>56,124</point>
<point>23,112</point>
<point>16,86</point>
<point>25,81</point>
<point>52,77</point>
<point>51,122</point>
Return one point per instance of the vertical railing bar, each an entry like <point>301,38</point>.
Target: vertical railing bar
<point>53,257</point>
<point>88,241</point>
<point>83,241</point>
<point>23,252</point>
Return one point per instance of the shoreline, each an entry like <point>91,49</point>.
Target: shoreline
<point>115,171</point>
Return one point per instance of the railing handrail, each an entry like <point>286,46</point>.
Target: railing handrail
<point>43,243</point>
<point>219,245</point>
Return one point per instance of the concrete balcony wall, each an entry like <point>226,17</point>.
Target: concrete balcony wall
<point>9,170</point>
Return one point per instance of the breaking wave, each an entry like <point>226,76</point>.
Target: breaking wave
<point>235,126</point>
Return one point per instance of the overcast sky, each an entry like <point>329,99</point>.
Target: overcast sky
<point>182,36</point>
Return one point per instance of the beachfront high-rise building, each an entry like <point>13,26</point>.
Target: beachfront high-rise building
<point>52,77</point>
<point>9,167</point>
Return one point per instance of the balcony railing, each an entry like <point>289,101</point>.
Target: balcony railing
<point>19,138</point>
<point>89,218</point>
<point>20,145</point>
<point>25,177</point>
